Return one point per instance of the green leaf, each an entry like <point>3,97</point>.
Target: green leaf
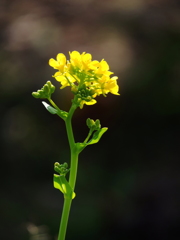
<point>49,108</point>
<point>57,183</point>
<point>97,136</point>
<point>62,184</point>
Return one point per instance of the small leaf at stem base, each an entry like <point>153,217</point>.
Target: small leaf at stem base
<point>49,108</point>
<point>62,184</point>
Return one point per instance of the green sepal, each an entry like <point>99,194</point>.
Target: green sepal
<point>49,108</point>
<point>62,184</point>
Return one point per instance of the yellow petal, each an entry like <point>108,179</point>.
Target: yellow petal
<point>53,63</point>
<point>115,90</point>
<point>57,74</point>
<point>61,78</point>
<point>111,86</point>
<point>93,65</point>
<point>87,58</point>
<point>75,55</point>
<point>93,101</point>
<point>75,59</point>
<point>104,65</point>
<point>114,78</point>
<point>71,78</point>
<point>63,86</point>
<point>61,58</point>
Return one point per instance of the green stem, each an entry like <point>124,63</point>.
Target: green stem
<point>69,127</point>
<point>73,173</point>
<point>74,152</point>
<point>53,104</point>
<point>89,134</point>
<point>60,113</point>
<point>64,218</point>
<point>73,169</point>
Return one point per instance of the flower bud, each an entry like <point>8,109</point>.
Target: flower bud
<point>88,98</point>
<point>74,89</point>
<point>57,169</point>
<point>97,124</point>
<point>45,91</point>
<point>65,165</point>
<point>90,123</point>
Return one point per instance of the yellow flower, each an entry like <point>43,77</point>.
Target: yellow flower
<point>111,86</point>
<point>82,61</point>
<point>64,79</point>
<point>86,78</point>
<point>60,64</point>
<point>75,59</point>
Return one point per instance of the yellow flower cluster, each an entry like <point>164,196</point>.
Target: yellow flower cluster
<point>86,78</point>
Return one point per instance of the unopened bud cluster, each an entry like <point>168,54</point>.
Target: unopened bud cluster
<point>62,169</point>
<point>45,91</point>
<point>93,125</point>
<point>83,94</point>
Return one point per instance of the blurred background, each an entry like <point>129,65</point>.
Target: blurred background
<point>128,184</point>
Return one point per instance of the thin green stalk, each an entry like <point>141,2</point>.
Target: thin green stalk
<point>69,127</point>
<point>73,173</point>
<point>89,135</point>
<point>74,153</point>
<point>53,104</point>
<point>64,218</point>
<point>73,169</point>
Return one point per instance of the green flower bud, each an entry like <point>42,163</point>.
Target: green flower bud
<point>92,92</point>
<point>65,165</point>
<point>90,123</point>
<point>57,169</point>
<point>45,91</point>
<point>88,98</point>
<point>57,164</point>
<point>61,168</point>
<point>35,94</point>
<point>74,89</point>
<point>97,124</point>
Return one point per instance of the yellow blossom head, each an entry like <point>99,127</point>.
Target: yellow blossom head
<point>60,63</point>
<point>86,78</point>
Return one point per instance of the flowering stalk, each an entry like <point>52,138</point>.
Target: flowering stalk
<point>87,80</point>
<point>73,173</point>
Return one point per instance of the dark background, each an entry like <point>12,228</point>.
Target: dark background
<point>128,183</point>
